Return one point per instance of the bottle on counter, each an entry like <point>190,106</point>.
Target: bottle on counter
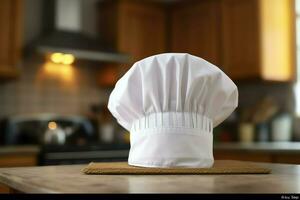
<point>107,127</point>
<point>282,128</point>
<point>109,131</point>
<point>262,132</point>
<point>246,132</point>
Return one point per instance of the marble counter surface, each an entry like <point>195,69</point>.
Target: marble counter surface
<point>69,179</point>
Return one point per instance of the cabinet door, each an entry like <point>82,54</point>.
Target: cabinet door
<point>141,29</point>
<point>195,29</point>
<point>10,11</point>
<point>240,42</point>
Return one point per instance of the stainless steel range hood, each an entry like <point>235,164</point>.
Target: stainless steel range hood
<point>64,32</point>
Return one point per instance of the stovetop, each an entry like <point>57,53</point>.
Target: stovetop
<point>67,154</point>
<point>81,148</point>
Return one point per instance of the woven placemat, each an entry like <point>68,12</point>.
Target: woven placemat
<point>219,167</point>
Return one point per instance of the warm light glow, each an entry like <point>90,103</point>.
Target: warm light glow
<point>57,58</point>
<point>60,58</point>
<point>68,59</point>
<point>52,125</point>
<point>66,72</point>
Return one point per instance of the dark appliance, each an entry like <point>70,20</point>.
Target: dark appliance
<point>31,129</point>
<point>80,144</point>
<point>65,30</point>
<point>64,155</point>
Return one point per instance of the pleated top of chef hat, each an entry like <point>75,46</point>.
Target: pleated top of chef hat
<point>170,103</point>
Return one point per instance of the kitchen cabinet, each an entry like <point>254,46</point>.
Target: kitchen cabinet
<point>258,39</point>
<point>16,160</point>
<point>275,152</point>
<point>287,158</point>
<point>248,39</point>
<point>240,38</point>
<point>10,37</point>
<point>4,189</point>
<point>244,156</point>
<point>17,157</point>
<point>137,28</point>
<point>195,29</point>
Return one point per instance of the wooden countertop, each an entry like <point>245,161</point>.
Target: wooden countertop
<point>68,179</point>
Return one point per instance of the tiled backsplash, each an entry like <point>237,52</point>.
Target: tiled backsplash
<point>73,90</point>
<point>41,91</point>
<point>252,92</point>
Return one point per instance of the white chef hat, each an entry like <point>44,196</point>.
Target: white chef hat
<point>170,103</point>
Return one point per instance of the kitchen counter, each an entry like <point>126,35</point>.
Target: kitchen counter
<point>69,179</point>
<point>282,147</point>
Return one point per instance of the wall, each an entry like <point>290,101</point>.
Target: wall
<point>252,92</point>
<point>43,88</point>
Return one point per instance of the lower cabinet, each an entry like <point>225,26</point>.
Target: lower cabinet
<point>258,156</point>
<point>16,160</point>
<point>4,189</point>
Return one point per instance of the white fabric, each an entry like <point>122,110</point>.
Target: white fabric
<point>170,104</point>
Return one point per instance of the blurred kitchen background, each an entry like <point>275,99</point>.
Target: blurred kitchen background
<point>60,59</point>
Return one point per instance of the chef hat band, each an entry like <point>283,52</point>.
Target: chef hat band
<point>179,130</point>
<point>188,120</point>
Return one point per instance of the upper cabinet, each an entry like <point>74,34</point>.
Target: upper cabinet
<point>248,39</point>
<point>134,27</point>
<point>10,37</point>
<point>241,38</point>
<point>259,39</point>
<point>195,29</point>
